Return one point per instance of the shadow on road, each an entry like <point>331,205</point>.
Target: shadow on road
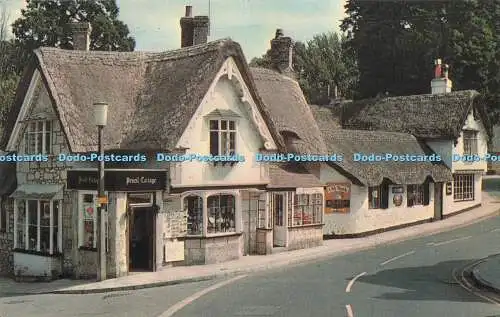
<point>429,283</point>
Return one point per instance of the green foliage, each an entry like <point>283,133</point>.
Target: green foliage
<point>8,84</point>
<point>322,63</point>
<point>396,44</point>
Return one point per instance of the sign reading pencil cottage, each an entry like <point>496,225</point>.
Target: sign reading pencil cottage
<point>118,180</point>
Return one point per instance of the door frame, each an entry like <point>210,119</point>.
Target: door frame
<point>280,233</point>
<point>438,201</point>
<point>130,214</point>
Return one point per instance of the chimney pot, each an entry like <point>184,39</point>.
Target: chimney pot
<point>81,35</point>
<point>281,53</point>
<point>189,11</point>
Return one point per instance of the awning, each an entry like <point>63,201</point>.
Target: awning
<point>38,191</point>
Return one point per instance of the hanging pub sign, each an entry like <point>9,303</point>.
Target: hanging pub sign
<point>448,189</point>
<point>337,197</point>
<point>118,180</point>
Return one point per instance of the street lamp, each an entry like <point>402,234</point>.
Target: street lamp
<point>100,118</point>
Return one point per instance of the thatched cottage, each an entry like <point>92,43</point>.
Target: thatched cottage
<point>368,197</point>
<point>200,99</point>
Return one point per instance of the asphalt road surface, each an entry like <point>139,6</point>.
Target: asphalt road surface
<point>407,279</point>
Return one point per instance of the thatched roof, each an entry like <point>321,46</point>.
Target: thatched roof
<point>289,109</point>
<point>291,175</point>
<point>152,96</point>
<point>349,142</point>
<point>327,116</point>
<point>429,116</point>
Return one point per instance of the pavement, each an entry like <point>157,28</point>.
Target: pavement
<point>486,273</point>
<point>186,274</point>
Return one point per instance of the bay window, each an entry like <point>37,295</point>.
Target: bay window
<point>308,210</point>
<point>38,137</point>
<point>37,225</point>
<point>221,214</point>
<point>193,205</point>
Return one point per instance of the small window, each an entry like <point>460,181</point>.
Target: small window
<point>463,187</point>
<point>374,194</point>
<point>470,142</point>
<point>38,137</point>
<point>222,137</point>
<point>415,195</point>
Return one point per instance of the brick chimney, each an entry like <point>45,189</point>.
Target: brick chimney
<point>81,35</point>
<point>194,31</point>
<point>441,83</point>
<point>281,53</point>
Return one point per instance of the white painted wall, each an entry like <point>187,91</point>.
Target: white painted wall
<point>361,219</point>
<point>36,265</point>
<point>248,142</point>
<point>450,206</point>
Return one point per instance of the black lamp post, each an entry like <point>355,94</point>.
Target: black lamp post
<point>100,117</point>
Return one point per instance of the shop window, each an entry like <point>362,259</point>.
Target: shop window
<point>87,214</point>
<point>38,137</point>
<point>222,137</point>
<point>193,205</point>
<point>37,225</point>
<point>221,214</point>
<point>378,197</point>
<point>308,210</point>
<point>463,187</point>
<point>418,195</point>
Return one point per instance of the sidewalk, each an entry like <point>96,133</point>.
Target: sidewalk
<point>247,264</point>
<point>487,273</point>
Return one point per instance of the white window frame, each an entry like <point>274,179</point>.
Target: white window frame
<point>52,248</point>
<point>470,142</point>
<point>81,227</point>
<point>311,204</point>
<point>220,131</point>
<point>463,187</point>
<point>45,147</point>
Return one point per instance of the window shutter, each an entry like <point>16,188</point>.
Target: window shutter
<point>426,193</point>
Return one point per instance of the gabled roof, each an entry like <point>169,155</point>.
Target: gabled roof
<point>429,116</point>
<point>151,96</point>
<point>291,175</point>
<point>289,109</point>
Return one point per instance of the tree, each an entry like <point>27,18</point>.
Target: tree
<point>46,23</point>
<point>396,43</point>
<point>323,64</point>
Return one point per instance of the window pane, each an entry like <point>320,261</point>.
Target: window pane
<point>221,214</point>
<point>39,143</point>
<point>214,143</point>
<point>32,224</point>
<point>48,137</point>
<point>39,126</point>
<point>194,208</point>
<point>89,209</point>
<point>224,143</point>
<point>232,143</point>
<point>231,125</point>
<point>214,125</point>
<point>21,224</point>
<point>223,125</point>
<point>45,226</point>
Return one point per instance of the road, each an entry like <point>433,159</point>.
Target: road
<point>411,278</point>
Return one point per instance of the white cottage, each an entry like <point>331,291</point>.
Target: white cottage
<point>199,100</point>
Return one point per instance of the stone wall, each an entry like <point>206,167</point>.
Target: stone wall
<point>305,237</point>
<point>211,250</point>
<point>7,240</point>
<point>264,241</point>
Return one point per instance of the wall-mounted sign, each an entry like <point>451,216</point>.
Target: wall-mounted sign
<point>337,197</point>
<point>123,180</point>
<point>397,200</point>
<point>398,189</point>
<point>449,190</point>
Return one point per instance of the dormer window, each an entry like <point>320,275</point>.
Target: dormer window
<point>222,137</point>
<point>470,142</point>
<point>38,137</point>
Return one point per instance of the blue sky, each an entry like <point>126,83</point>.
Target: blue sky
<point>252,23</point>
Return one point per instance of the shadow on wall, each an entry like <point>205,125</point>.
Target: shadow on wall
<point>426,283</point>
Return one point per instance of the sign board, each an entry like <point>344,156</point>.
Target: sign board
<point>103,200</point>
<point>337,197</point>
<point>118,180</point>
<point>449,190</point>
<point>398,189</point>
